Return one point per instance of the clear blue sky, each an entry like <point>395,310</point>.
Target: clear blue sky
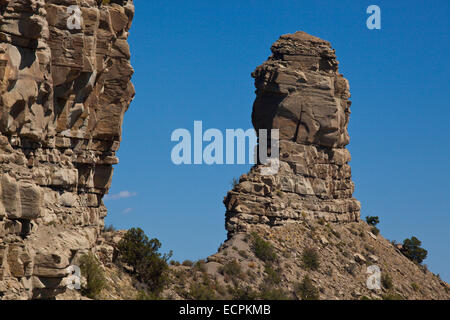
<point>193,61</point>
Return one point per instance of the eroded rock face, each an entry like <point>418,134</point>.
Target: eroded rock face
<point>63,95</point>
<point>300,92</point>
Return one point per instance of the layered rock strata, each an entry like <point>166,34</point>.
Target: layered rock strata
<point>300,92</point>
<point>64,88</point>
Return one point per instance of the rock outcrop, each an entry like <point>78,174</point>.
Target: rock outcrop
<point>298,224</point>
<point>300,92</point>
<point>64,88</point>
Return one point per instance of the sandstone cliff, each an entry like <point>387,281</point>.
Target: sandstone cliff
<point>64,89</point>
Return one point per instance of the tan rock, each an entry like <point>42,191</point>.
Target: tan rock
<point>359,258</point>
<point>300,92</point>
<point>63,95</point>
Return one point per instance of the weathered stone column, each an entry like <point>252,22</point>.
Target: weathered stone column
<point>300,92</point>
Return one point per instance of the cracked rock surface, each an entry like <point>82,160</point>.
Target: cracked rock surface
<point>300,92</point>
<point>63,95</point>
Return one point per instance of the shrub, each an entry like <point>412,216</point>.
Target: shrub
<point>234,183</point>
<point>415,286</point>
<point>412,250</point>
<point>273,277</point>
<point>95,278</point>
<point>270,293</point>
<point>386,280</point>
<point>153,272</point>
<point>372,221</point>
<point>220,289</point>
<point>263,249</point>
<point>202,291</point>
<point>143,295</point>
<point>310,259</point>
<point>200,265</point>
<point>239,293</point>
<point>187,263</point>
<point>175,263</point>
<point>392,296</point>
<point>231,268</point>
<point>142,254</point>
<point>306,290</point>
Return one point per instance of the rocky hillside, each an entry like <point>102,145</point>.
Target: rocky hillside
<point>334,257</point>
<point>64,88</point>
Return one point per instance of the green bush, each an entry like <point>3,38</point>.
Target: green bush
<point>175,263</point>
<point>415,286</point>
<point>412,250</point>
<point>239,293</point>
<point>306,290</point>
<point>200,265</point>
<point>392,296</point>
<point>263,249</point>
<point>386,280</point>
<point>202,291</point>
<point>310,259</point>
<point>269,293</point>
<point>273,276</point>
<point>188,263</point>
<point>372,221</point>
<point>95,278</point>
<point>143,295</point>
<point>232,268</point>
<point>142,254</point>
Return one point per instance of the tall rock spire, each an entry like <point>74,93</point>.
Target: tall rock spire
<point>300,92</point>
